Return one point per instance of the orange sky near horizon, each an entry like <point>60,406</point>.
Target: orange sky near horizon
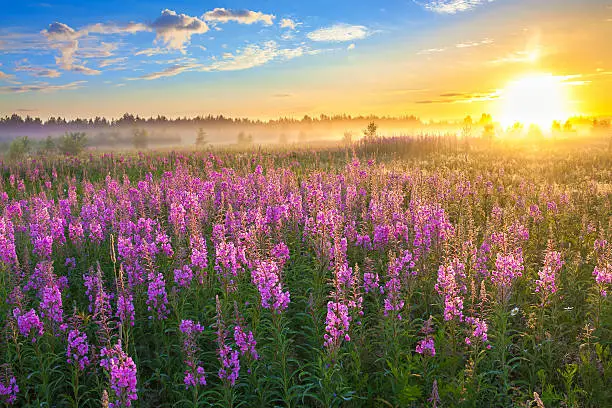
<point>465,65</point>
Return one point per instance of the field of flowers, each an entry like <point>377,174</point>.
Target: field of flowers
<point>337,277</point>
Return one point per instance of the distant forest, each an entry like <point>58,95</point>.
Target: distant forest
<point>28,122</point>
<point>135,131</point>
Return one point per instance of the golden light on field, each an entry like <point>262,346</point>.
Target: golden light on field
<point>535,99</point>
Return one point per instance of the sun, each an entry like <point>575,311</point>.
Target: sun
<point>535,99</point>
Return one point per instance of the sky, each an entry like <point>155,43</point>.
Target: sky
<point>437,59</point>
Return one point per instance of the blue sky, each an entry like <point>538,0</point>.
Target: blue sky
<point>277,58</point>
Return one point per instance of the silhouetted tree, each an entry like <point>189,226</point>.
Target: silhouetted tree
<point>488,132</point>
<point>302,137</point>
<point>72,143</point>
<point>19,148</point>
<point>201,139</point>
<point>49,145</point>
<point>140,138</point>
<point>347,139</point>
<point>244,139</point>
<point>370,132</point>
<point>466,127</point>
<point>535,132</point>
<point>516,130</point>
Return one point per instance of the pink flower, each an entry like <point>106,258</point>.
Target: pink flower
<point>426,347</point>
<point>29,324</point>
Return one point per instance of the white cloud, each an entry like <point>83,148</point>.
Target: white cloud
<point>339,33</point>
<point>67,41</point>
<point>175,30</point>
<point>351,47</point>
<point>289,23</point>
<point>63,38</point>
<point>222,15</point>
<point>61,32</point>
<point>451,6</point>
<point>41,87</point>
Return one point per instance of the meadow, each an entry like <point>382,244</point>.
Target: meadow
<point>395,273</point>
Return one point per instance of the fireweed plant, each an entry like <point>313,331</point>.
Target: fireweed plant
<point>402,272</point>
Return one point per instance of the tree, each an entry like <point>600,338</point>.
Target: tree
<point>244,140</point>
<point>516,130</point>
<point>72,143</point>
<point>201,139</point>
<point>567,126</point>
<point>535,132</point>
<point>302,136</point>
<point>485,119</point>
<point>49,145</point>
<point>488,132</point>
<point>19,148</point>
<point>600,125</point>
<point>370,131</point>
<point>466,128</point>
<point>140,138</point>
<point>347,139</point>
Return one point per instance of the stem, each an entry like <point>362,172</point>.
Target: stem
<point>282,357</point>
<point>75,385</point>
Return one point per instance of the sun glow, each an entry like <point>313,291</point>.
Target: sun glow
<point>536,99</point>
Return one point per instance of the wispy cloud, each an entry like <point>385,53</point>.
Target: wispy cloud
<point>107,29</point>
<point>339,33</point>
<point>431,51</point>
<point>222,15</point>
<point>175,30</point>
<point>469,44</point>
<point>251,56</point>
<point>19,43</point>
<point>169,72</point>
<point>65,39</point>
<point>41,87</point>
<point>82,69</point>
<point>104,50</point>
<point>256,55</point>
<point>40,72</point>
<point>519,57</point>
<point>451,6</point>
<point>149,52</point>
<point>462,97</point>
<point>5,77</point>
<point>112,61</point>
